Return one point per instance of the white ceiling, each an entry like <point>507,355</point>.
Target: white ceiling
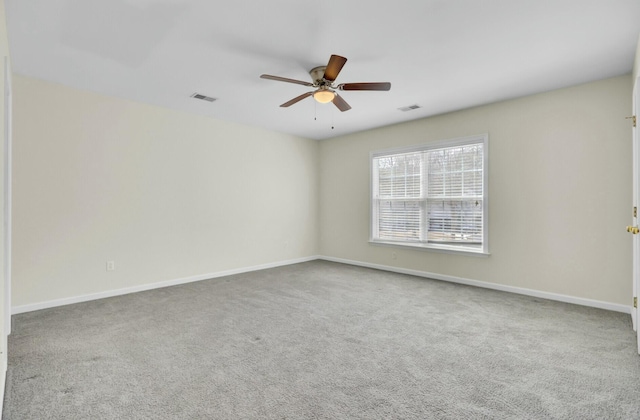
<point>443,55</point>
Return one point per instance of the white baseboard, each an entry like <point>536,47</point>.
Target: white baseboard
<point>477,283</point>
<point>117,292</point>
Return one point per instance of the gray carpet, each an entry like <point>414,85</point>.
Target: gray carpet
<point>321,340</point>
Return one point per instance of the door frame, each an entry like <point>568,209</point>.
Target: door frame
<point>636,196</point>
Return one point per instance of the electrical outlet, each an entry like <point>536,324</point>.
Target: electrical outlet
<point>111,265</point>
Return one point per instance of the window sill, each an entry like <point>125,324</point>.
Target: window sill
<point>446,249</point>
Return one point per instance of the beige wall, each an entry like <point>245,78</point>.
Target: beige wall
<point>166,195</point>
<point>559,192</point>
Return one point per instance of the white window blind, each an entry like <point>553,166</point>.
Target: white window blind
<point>400,192</point>
<point>433,195</point>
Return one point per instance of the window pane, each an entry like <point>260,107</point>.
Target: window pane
<point>400,176</point>
<point>399,220</point>
<point>454,221</point>
<point>455,158</point>
<point>436,187</point>
<point>454,186</point>
<point>472,183</point>
<point>454,194</point>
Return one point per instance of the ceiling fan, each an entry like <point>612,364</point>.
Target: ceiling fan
<point>323,81</point>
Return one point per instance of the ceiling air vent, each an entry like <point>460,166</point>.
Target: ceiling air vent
<point>409,108</point>
<point>203,97</point>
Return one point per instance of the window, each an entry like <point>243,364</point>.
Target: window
<point>431,196</point>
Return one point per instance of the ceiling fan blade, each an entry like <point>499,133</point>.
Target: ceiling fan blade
<point>365,86</point>
<point>284,79</point>
<point>334,66</point>
<point>296,99</point>
<point>341,103</point>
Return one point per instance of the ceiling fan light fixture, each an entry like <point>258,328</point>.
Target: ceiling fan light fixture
<point>324,96</point>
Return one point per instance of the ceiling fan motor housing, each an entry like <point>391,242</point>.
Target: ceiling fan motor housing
<point>317,75</point>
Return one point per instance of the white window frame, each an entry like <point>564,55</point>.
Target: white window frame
<point>448,248</point>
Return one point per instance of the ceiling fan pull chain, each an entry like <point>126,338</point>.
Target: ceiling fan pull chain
<point>333,111</point>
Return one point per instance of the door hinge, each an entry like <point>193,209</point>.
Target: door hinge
<point>635,302</point>
<point>632,118</point>
<point>635,212</point>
